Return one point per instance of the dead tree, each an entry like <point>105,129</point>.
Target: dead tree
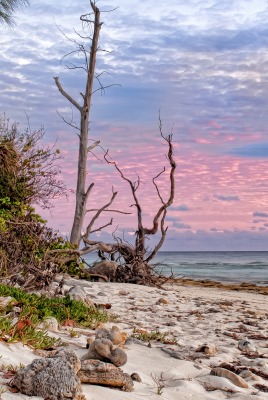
<point>82,190</point>
<point>138,257</point>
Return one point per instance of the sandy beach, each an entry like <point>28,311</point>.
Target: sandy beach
<point>201,329</point>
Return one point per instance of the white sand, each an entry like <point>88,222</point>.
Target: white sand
<point>194,316</point>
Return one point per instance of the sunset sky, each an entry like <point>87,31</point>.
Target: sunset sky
<point>203,64</point>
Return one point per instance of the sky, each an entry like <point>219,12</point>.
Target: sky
<point>202,64</point>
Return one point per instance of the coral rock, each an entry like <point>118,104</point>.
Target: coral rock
<point>209,349</point>
<point>52,378</point>
<point>114,334</point>
<point>246,346</point>
<point>100,373</point>
<point>104,350</point>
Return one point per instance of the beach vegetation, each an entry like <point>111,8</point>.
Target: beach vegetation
<point>161,380</point>
<point>34,309</point>
<point>28,335</point>
<point>29,175</point>
<point>3,390</point>
<point>12,368</point>
<point>157,336</point>
<point>38,307</point>
<point>159,383</point>
<point>73,333</point>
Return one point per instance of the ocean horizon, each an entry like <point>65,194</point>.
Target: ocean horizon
<point>221,266</point>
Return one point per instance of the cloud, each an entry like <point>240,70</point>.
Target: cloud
<point>181,207</point>
<point>181,225</point>
<point>227,198</point>
<point>254,150</point>
<point>260,214</point>
<point>202,63</point>
<point>228,240</point>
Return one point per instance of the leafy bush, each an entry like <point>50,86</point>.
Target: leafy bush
<point>28,175</point>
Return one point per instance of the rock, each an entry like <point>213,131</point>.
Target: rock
<point>51,378</point>
<point>123,292</point>
<point>49,324</point>
<point>54,286</point>
<point>76,292</point>
<point>114,334</point>
<point>136,341</point>
<point>261,363</point>
<point>135,377</point>
<point>162,300</point>
<point>104,350</point>
<point>16,310</point>
<point>4,301</point>
<point>226,303</point>
<point>209,349</point>
<point>245,373</point>
<point>246,346</point>
<point>224,373</point>
<point>89,341</point>
<point>171,323</point>
<point>105,268</point>
<point>173,353</point>
<point>101,373</point>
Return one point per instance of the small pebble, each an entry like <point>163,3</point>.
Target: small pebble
<point>123,292</point>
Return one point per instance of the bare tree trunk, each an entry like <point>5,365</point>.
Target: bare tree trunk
<point>82,192</point>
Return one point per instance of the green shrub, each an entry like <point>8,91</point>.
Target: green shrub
<point>37,308</point>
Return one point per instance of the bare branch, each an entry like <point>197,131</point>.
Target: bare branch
<point>88,191</point>
<point>156,186</point>
<point>66,95</point>
<point>162,239</point>
<point>102,88</point>
<point>96,216</point>
<point>114,211</point>
<point>103,226</point>
<point>133,186</point>
<point>95,144</point>
<point>168,203</point>
<point>67,122</point>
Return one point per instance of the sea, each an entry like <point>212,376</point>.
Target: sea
<point>221,266</point>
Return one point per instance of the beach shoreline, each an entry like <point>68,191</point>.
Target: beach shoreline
<point>243,286</point>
